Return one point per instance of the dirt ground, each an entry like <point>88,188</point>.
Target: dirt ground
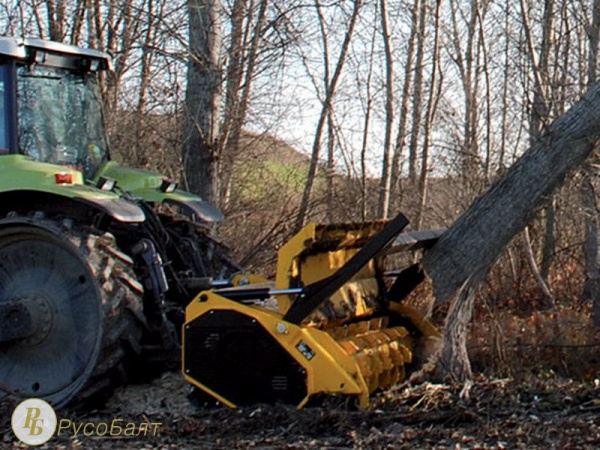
<point>543,413</point>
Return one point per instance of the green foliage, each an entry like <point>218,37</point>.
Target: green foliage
<point>267,177</point>
<point>269,168</point>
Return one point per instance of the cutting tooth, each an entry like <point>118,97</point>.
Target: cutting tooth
<point>380,353</point>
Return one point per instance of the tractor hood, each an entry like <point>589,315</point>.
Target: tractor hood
<point>156,188</point>
<point>19,173</point>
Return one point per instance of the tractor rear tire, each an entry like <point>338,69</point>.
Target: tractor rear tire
<point>84,309</point>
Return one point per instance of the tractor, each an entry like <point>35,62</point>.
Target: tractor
<point>97,260</point>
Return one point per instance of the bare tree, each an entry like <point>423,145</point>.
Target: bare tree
<point>56,17</point>
<point>405,102</point>
<point>538,118</point>
<point>504,91</point>
<point>591,287</point>
<point>368,108</point>
<point>325,110</point>
<point>417,94</point>
<point>432,101</point>
<point>489,144</point>
<point>148,45</point>
<point>200,154</point>
<point>242,56</point>
<point>465,61</point>
<point>386,173</point>
<point>465,253</point>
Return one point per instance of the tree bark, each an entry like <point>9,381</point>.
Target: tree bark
<point>464,254</point>
<point>417,95</point>
<point>453,360</point>
<point>386,173</point>
<point>434,96</point>
<point>404,113</point>
<point>199,152</point>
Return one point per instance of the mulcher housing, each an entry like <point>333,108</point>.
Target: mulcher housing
<point>333,323</point>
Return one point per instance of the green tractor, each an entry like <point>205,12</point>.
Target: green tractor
<point>97,261</point>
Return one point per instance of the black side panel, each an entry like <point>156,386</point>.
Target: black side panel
<point>233,355</point>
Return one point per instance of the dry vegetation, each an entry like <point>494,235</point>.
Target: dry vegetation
<point>537,382</point>
<point>542,412</point>
<point>536,358</point>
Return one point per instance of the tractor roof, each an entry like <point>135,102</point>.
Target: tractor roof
<point>21,48</point>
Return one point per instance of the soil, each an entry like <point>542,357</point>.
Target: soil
<point>545,412</point>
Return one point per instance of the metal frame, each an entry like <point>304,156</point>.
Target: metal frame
<point>10,103</point>
<point>18,48</point>
<point>318,292</point>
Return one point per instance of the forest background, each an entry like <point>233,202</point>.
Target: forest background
<point>337,110</point>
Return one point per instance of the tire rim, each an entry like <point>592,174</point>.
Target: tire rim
<point>55,284</point>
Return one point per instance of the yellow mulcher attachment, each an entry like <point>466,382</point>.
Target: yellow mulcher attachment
<point>333,323</point>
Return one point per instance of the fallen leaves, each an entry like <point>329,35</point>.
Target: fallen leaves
<point>545,413</point>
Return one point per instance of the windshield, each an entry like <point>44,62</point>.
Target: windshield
<point>60,118</point>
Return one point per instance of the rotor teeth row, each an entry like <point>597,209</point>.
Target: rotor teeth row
<point>381,355</point>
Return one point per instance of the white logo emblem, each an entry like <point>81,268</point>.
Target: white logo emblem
<point>34,421</point>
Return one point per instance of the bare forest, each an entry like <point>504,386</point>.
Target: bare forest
<point>283,112</point>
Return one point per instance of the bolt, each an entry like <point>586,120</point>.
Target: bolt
<point>281,328</point>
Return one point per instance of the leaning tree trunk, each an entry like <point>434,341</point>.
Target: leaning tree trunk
<point>464,254</point>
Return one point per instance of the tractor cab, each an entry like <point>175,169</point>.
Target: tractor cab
<point>51,104</point>
<point>51,110</point>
